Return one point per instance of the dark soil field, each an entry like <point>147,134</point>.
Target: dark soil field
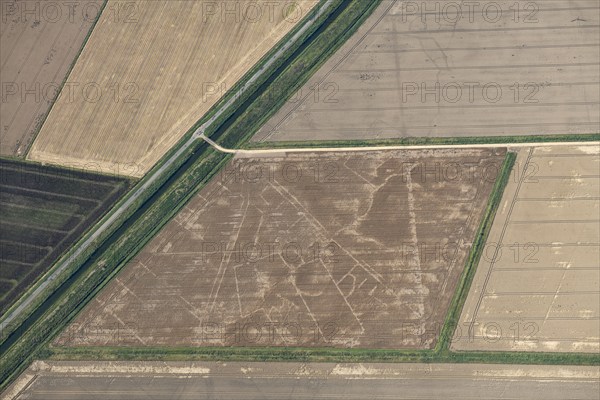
<point>343,249</point>
<point>43,210</point>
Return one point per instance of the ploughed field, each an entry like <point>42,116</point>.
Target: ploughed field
<point>43,211</point>
<point>348,249</point>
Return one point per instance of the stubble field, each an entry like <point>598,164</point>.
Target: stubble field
<point>335,249</point>
<point>147,76</point>
<point>39,41</point>
<point>454,69</point>
<point>281,380</point>
<point>537,285</point>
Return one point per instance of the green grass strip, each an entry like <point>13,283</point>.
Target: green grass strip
<point>279,354</point>
<point>462,289</point>
<point>420,141</point>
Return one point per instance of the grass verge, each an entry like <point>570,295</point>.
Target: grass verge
<point>464,284</point>
<point>278,354</point>
<point>415,141</point>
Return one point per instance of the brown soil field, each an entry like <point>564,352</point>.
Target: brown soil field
<point>435,69</point>
<point>120,380</point>
<point>303,249</point>
<point>537,288</point>
<point>40,41</point>
<point>142,83</point>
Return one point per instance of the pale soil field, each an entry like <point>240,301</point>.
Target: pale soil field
<point>145,81</point>
<point>537,287</point>
<point>39,41</point>
<point>66,380</point>
<point>335,249</point>
<point>535,70</point>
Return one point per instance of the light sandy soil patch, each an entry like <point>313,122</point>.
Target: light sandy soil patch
<point>39,42</point>
<point>249,381</point>
<point>537,284</point>
<point>432,69</point>
<point>335,249</point>
<point>142,84</point>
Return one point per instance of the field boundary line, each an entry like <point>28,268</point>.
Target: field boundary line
<point>500,141</point>
<point>277,150</point>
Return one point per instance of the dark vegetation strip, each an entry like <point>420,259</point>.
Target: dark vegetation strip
<point>11,166</point>
<point>13,270</point>
<point>61,185</point>
<point>57,198</point>
<point>37,172</point>
<point>59,207</point>
<point>416,141</point>
<point>310,355</point>
<point>38,219</point>
<point>464,284</point>
<point>197,166</point>
<point>22,253</point>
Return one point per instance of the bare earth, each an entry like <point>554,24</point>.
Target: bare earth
<point>339,249</point>
<point>146,76</point>
<point>254,381</point>
<point>531,68</point>
<point>38,49</point>
<point>537,286</point>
